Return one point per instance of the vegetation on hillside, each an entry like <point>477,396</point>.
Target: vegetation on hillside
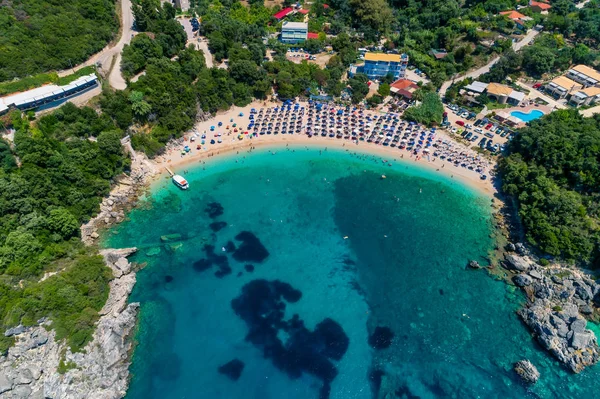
<point>553,171</point>
<point>59,184</point>
<point>38,36</point>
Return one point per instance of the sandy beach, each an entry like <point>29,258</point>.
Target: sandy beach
<point>174,159</point>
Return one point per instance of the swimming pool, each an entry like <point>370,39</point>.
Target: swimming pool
<point>527,117</point>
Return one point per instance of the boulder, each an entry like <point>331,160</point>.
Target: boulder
<point>581,340</point>
<point>21,392</point>
<point>520,249</point>
<point>514,262</point>
<point>473,264</point>
<point>14,331</point>
<point>522,280</point>
<point>586,309</point>
<point>5,383</point>
<point>527,371</point>
<point>535,274</point>
<point>510,247</point>
<point>578,325</point>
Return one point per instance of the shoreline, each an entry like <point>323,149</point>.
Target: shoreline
<point>173,158</point>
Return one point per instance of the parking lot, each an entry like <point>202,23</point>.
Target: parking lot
<point>485,133</point>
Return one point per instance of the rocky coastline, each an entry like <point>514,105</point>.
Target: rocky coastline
<point>37,366</point>
<point>122,197</point>
<point>560,299</point>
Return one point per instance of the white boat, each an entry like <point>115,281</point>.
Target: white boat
<point>180,182</point>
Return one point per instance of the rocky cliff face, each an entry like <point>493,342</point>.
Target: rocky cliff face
<point>558,296</point>
<point>30,369</point>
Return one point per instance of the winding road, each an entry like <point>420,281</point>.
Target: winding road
<point>516,46</point>
<point>104,59</point>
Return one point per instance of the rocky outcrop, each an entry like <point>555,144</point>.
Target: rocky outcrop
<point>558,298</point>
<point>30,369</point>
<point>122,196</point>
<point>527,371</point>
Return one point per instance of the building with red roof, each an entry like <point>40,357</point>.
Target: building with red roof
<point>539,6</point>
<point>517,17</point>
<point>283,13</point>
<point>312,35</point>
<point>304,11</point>
<point>404,88</point>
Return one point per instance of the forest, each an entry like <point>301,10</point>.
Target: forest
<point>60,181</point>
<point>39,36</point>
<point>553,171</point>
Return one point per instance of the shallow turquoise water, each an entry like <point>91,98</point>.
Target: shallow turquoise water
<point>363,251</point>
<point>529,116</point>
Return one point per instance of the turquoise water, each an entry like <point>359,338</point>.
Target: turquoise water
<point>528,117</point>
<point>345,251</point>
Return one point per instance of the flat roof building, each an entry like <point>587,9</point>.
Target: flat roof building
<point>39,96</point>
<point>294,32</point>
<point>562,86</point>
<point>378,65</point>
<point>585,75</point>
<point>587,96</point>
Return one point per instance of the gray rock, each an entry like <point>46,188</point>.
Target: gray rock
<point>542,291</point>
<point>578,326</point>
<point>510,247</point>
<point>23,377</point>
<point>14,331</point>
<point>569,312</point>
<point>522,280</point>
<point>94,235</point>
<point>561,327</point>
<point>535,274</point>
<point>581,340</point>
<point>513,262</point>
<point>123,265</point>
<point>586,309</point>
<point>473,264</point>
<point>520,249</point>
<point>583,292</point>
<point>21,392</point>
<point>5,383</point>
<point>527,371</point>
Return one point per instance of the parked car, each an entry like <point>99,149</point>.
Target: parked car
<point>488,134</point>
<point>474,138</point>
<point>478,130</point>
<point>488,126</point>
<point>460,123</point>
<point>537,85</point>
<point>482,142</point>
<point>469,135</point>
<point>477,122</point>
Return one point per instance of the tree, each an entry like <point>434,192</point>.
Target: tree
<point>384,89</point>
<point>62,222</point>
<point>538,60</point>
<point>359,88</point>
<point>110,142</point>
<point>429,112</point>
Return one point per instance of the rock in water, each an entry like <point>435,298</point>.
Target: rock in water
<point>527,371</point>
<point>251,249</point>
<point>381,338</point>
<point>249,268</point>
<point>170,237</point>
<point>473,264</point>
<point>232,369</point>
